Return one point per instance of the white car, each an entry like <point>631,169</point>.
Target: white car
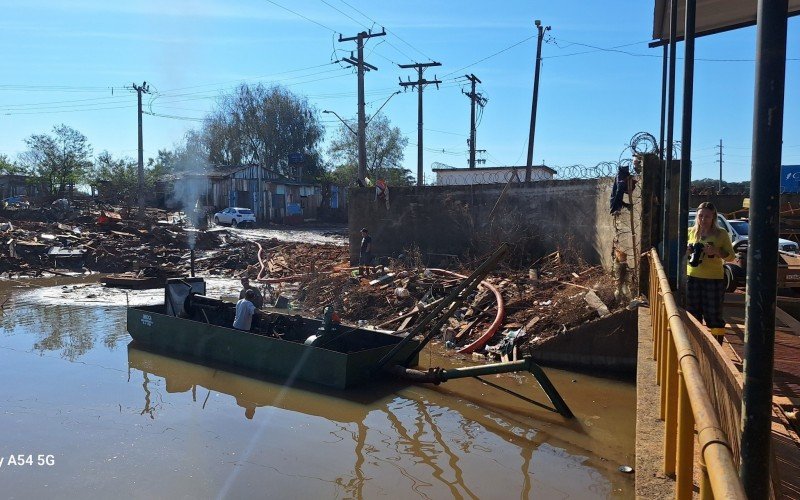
<point>738,230</point>
<point>235,216</point>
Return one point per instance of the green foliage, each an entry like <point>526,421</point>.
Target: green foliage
<point>384,144</point>
<point>712,185</point>
<point>58,161</point>
<point>8,167</point>
<point>118,179</point>
<point>256,124</point>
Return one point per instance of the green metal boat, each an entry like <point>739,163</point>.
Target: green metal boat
<point>279,345</point>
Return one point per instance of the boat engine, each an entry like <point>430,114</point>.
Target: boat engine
<point>327,330</point>
<point>177,291</point>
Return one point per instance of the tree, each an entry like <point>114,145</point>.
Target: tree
<point>118,179</point>
<point>262,125</point>
<point>385,145</point>
<point>60,160</point>
<point>7,166</point>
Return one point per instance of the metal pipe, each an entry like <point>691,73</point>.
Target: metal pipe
<point>762,254</point>
<point>684,467</point>
<point>686,149</point>
<point>191,262</point>
<point>665,56</point>
<point>438,375</point>
<point>670,417</point>
<point>713,445</point>
<point>666,242</point>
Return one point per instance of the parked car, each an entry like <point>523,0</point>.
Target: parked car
<point>235,216</point>
<point>738,229</point>
<point>20,201</point>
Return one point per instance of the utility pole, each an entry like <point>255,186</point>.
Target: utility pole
<point>720,166</point>
<point>362,117</point>
<point>474,99</point>
<point>419,84</point>
<point>140,89</point>
<point>529,164</point>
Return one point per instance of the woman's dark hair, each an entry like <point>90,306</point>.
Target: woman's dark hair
<point>249,294</point>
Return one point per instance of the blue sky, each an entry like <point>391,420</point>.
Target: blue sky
<point>61,61</point>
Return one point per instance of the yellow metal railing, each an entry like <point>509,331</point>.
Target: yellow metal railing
<point>685,403</point>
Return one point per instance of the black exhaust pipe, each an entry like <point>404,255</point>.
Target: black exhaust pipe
<point>191,262</point>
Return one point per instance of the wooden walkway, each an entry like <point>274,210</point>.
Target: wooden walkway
<point>786,385</point>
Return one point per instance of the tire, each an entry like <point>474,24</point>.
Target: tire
<point>234,223</point>
<point>216,220</point>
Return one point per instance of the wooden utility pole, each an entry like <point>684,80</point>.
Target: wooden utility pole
<point>529,164</point>
<point>362,117</point>
<point>419,84</point>
<point>720,166</point>
<point>140,89</point>
<point>475,99</point>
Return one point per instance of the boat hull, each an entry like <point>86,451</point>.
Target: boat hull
<point>350,362</point>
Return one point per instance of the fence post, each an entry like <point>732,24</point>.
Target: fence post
<point>671,402</point>
<point>684,474</point>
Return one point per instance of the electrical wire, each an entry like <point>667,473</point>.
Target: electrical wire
<point>391,33</point>
<point>301,15</point>
<point>490,56</point>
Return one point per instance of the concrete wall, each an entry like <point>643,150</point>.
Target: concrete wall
<point>607,344</point>
<point>469,221</point>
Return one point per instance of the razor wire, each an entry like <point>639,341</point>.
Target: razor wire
<point>641,143</point>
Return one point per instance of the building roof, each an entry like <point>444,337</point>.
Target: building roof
<point>712,16</point>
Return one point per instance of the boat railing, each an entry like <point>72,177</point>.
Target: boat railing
<point>686,403</point>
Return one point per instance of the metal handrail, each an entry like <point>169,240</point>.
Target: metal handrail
<point>685,403</point>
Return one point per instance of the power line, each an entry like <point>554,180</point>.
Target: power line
<point>345,15</point>
<point>490,56</point>
<point>301,15</point>
<point>174,117</point>
<point>595,48</point>
<point>391,33</point>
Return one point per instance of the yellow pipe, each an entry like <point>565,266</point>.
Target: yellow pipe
<point>656,318</point>
<point>670,420</point>
<point>684,468</point>
<point>705,484</point>
<point>663,366</point>
<point>714,447</point>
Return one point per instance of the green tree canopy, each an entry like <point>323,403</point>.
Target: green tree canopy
<point>118,179</point>
<point>385,145</point>
<point>8,167</point>
<point>258,124</point>
<point>60,160</point>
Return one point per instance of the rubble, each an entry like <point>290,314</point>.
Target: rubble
<point>530,305</point>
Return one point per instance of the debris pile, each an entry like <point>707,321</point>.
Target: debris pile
<point>34,243</point>
<point>534,304</point>
<point>512,307</point>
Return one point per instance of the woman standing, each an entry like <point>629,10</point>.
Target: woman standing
<point>709,246</point>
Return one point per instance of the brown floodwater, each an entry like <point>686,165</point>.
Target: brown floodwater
<point>85,415</point>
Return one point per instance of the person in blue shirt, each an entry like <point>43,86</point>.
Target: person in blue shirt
<point>245,311</point>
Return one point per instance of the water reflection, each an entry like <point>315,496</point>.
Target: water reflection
<point>70,331</point>
<point>429,446</point>
<point>122,423</point>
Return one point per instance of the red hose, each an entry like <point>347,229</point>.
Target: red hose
<point>498,319</point>
<point>474,346</point>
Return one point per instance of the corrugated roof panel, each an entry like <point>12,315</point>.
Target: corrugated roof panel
<point>713,16</point>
